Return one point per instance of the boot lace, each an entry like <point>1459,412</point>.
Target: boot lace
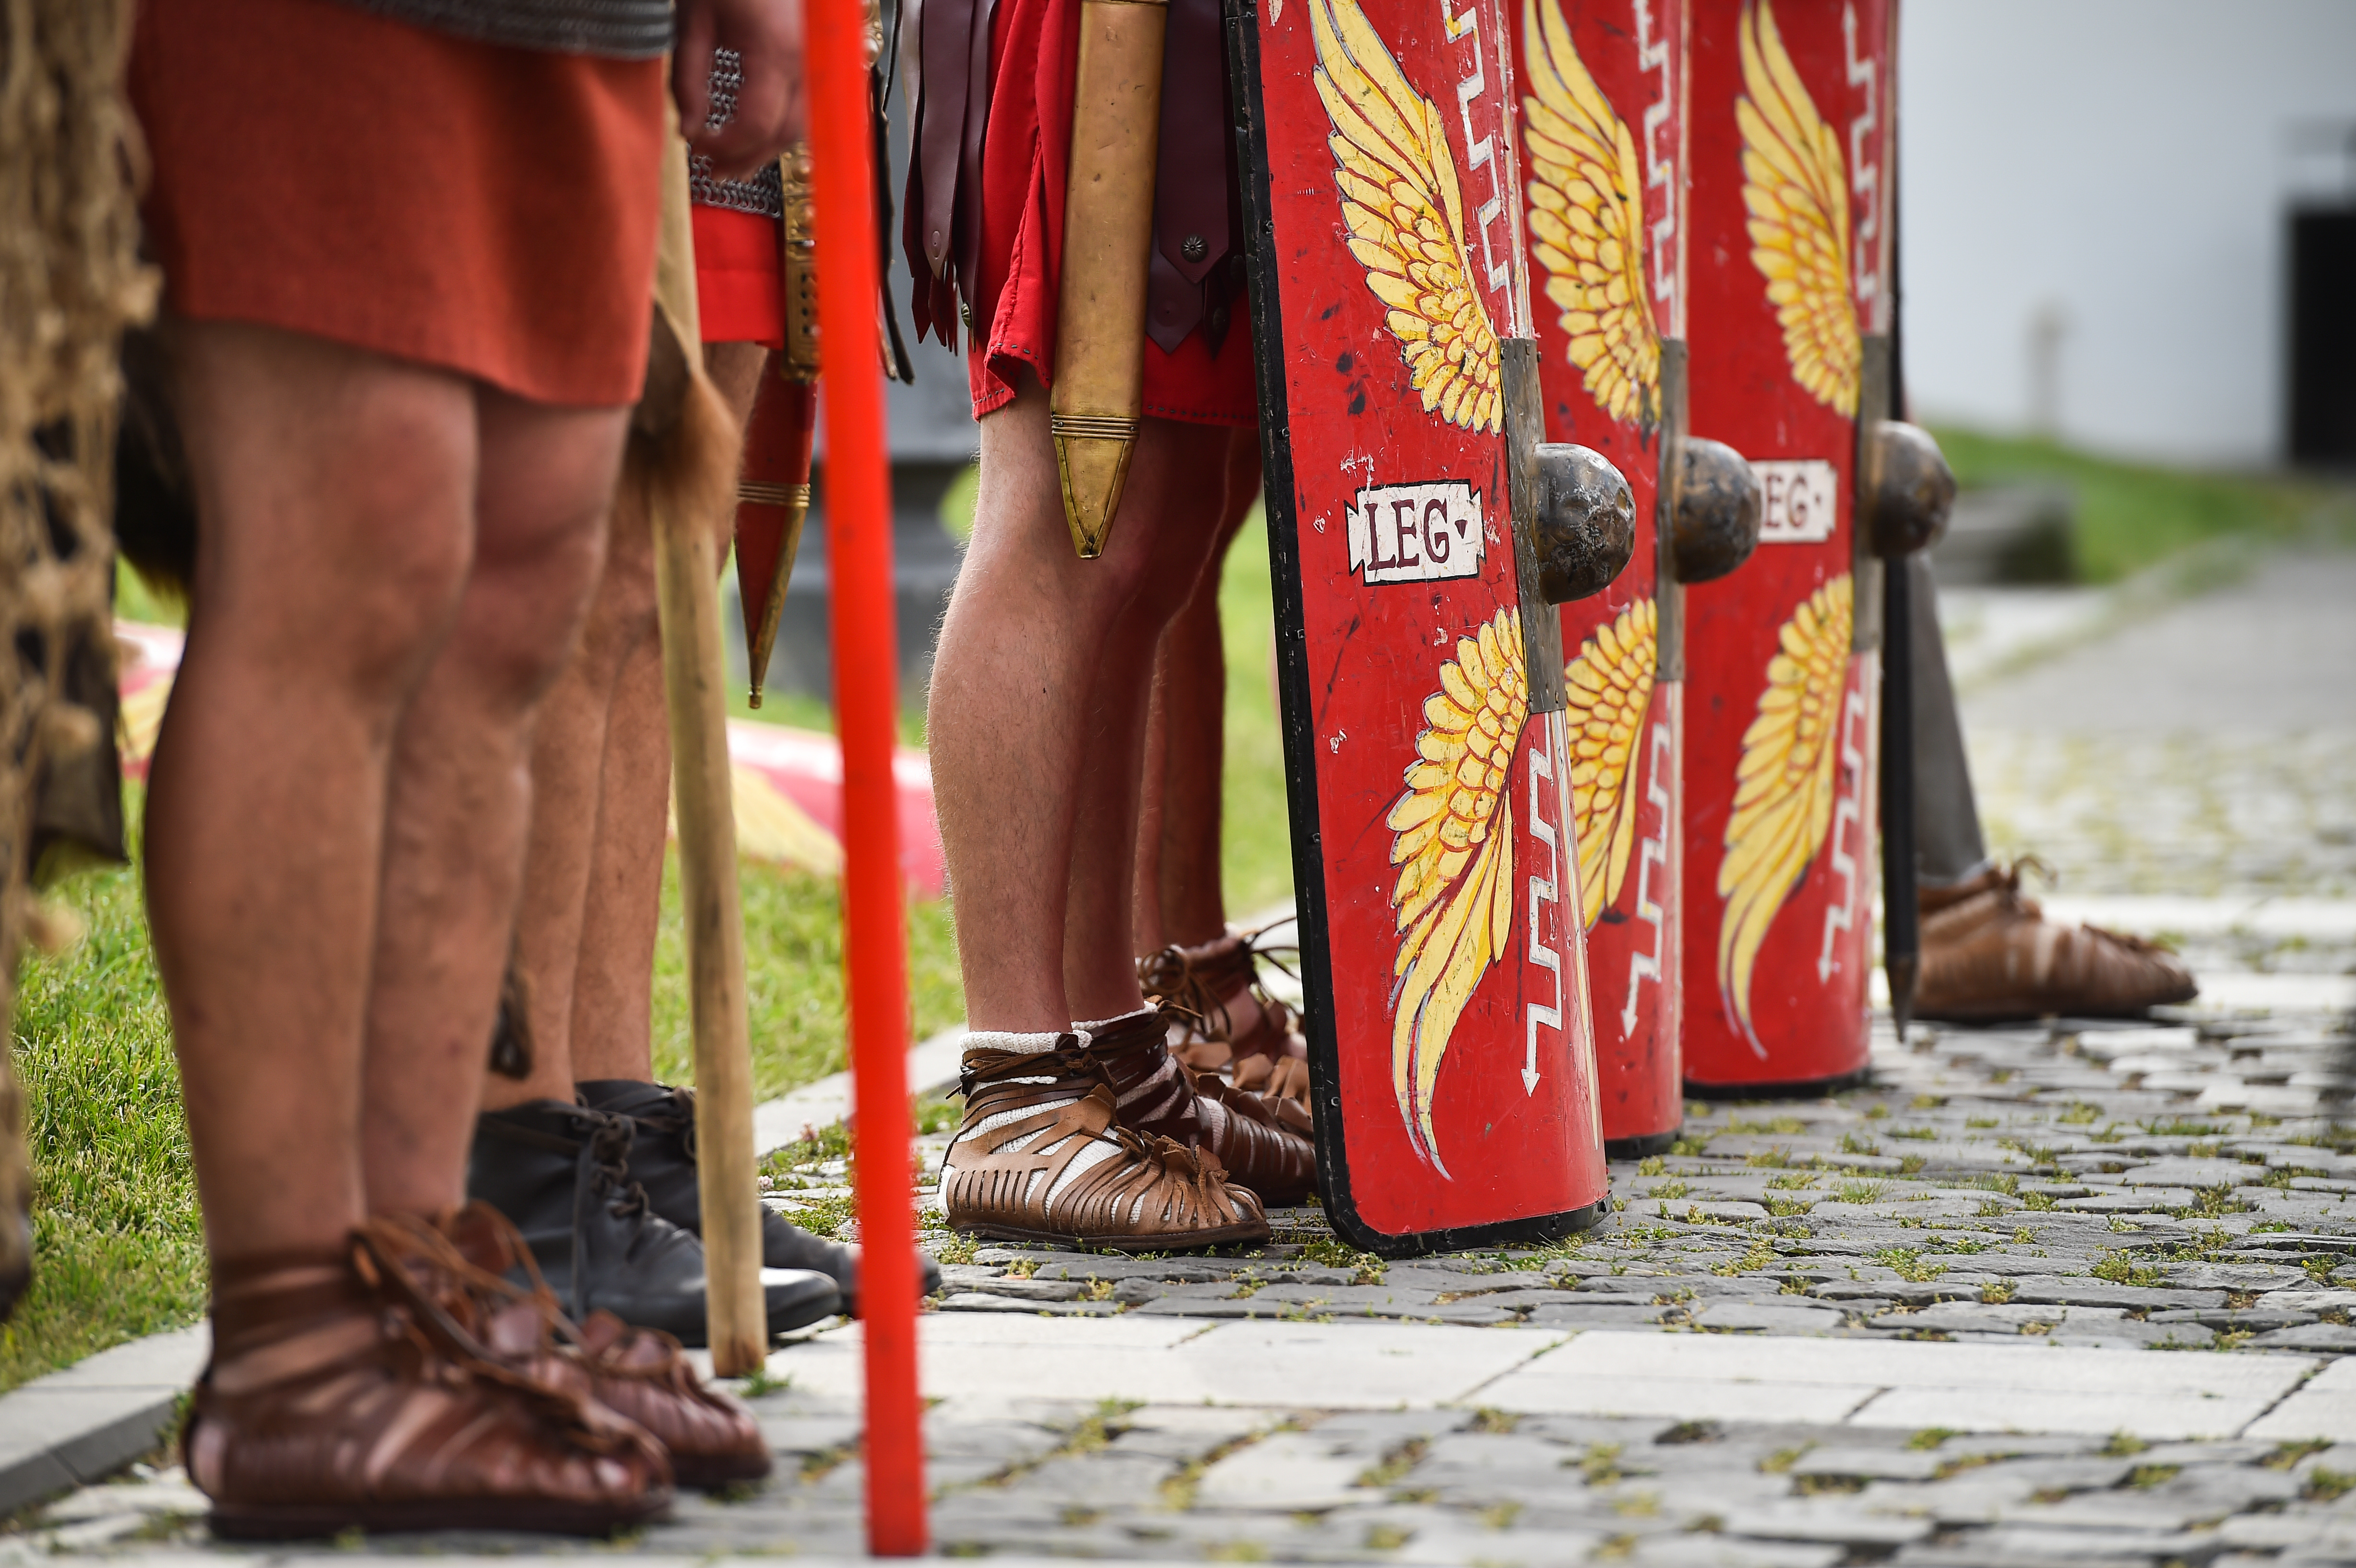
<point>677,1119</point>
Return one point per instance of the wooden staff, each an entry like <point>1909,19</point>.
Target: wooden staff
<point>687,572</point>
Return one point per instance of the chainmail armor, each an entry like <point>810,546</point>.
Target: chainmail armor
<point>614,29</point>
<point>765,193</point>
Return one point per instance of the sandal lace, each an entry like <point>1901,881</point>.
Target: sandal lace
<point>378,1249</point>
<point>1182,983</point>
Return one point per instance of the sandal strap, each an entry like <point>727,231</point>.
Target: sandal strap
<point>1141,1186</point>
<point>1195,987</point>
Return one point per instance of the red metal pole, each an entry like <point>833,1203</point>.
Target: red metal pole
<point>858,556</point>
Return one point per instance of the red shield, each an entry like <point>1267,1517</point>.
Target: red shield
<point>1600,141</point>
<point>1788,128</point>
<point>1426,748</point>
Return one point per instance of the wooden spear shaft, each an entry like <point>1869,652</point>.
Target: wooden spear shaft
<point>687,574</point>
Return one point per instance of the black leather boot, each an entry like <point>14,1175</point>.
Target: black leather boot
<point>663,1162</point>
<point>562,1175</point>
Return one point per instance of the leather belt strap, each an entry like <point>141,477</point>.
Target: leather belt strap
<point>944,31</point>
<point>967,210</point>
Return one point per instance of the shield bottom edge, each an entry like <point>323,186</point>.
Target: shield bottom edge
<point>1541,1229</point>
<point>1782,1089</point>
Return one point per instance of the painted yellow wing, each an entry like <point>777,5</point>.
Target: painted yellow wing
<point>1795,184</point>
<point>1587,220</point>
<point>1406,217</point>
<point>1453,843</point>
<point>1784,785</point>
<point>1610,685</point>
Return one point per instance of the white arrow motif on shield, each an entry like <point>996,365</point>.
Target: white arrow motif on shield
<point>1542,892</point>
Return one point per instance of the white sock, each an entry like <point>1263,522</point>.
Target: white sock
<point>1007,1039</point>
<point>1094,1154</point>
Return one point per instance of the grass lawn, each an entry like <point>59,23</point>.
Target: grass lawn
<point>2131,516</point>
<point>117,1249</point>
<point>1256,845</point>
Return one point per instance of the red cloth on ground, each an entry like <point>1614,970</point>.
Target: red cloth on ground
<point>740,276</point>
<point>487,209</point>
<point>1026,151</point>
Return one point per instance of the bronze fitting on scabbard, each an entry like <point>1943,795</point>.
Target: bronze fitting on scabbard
<point>800,361</point>
<point>778,440</point>
<point>762,492</point>
<point>1099,393</point>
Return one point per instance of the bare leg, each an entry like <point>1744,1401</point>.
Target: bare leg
<point>612,1024</point>
<point>338,496</point>
<point>1037,703</point>
<point>462,790</point>
<point>601,780</point>
<point>567,790</point>
<point>1179,896</point>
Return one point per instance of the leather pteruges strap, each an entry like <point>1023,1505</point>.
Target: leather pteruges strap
<point>1193,174</point>
<point>967,208</point>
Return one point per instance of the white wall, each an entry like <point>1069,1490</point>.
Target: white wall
<point>2129,161</point>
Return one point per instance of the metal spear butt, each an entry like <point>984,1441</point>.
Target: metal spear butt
<point>1718,508</point>
<point>1914,489</point>
<point>1583,523</point>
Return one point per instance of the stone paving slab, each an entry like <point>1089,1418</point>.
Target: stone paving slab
<point>87,1421</point>
<point>985,1362</point>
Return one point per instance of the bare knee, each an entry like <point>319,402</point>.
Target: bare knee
<point>1022,562</point>
<point>334,494</point>
<point>1176,517</point>
<point>542,516</point>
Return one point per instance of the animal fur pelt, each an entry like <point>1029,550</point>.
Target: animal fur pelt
<point>155,504</point>
<point>71,273</point>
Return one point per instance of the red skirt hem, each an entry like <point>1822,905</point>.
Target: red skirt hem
<point>484,210</point>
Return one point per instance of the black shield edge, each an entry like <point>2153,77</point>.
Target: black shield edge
<point>1294,707</point>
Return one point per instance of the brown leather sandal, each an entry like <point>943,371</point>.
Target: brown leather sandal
<point>1989,954</point>
<point>1201,984</point>
<point>1282,1084</point>
<point>464,1255</point>
<point>1196,989</point>
<point>341,1395</point>
<point>1160,1097</point>
<point>1040,1157</point>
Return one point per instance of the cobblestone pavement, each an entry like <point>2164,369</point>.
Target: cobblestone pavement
<point>1972,1314</point>
<point>2207,748</point>
<point>2068,1293</point>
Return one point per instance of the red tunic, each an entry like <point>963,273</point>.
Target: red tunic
<point>1034,56</point>
<point>740,276</point>
<point>487,209</point>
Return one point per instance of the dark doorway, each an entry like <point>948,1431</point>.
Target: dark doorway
<point>2323,336</point>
